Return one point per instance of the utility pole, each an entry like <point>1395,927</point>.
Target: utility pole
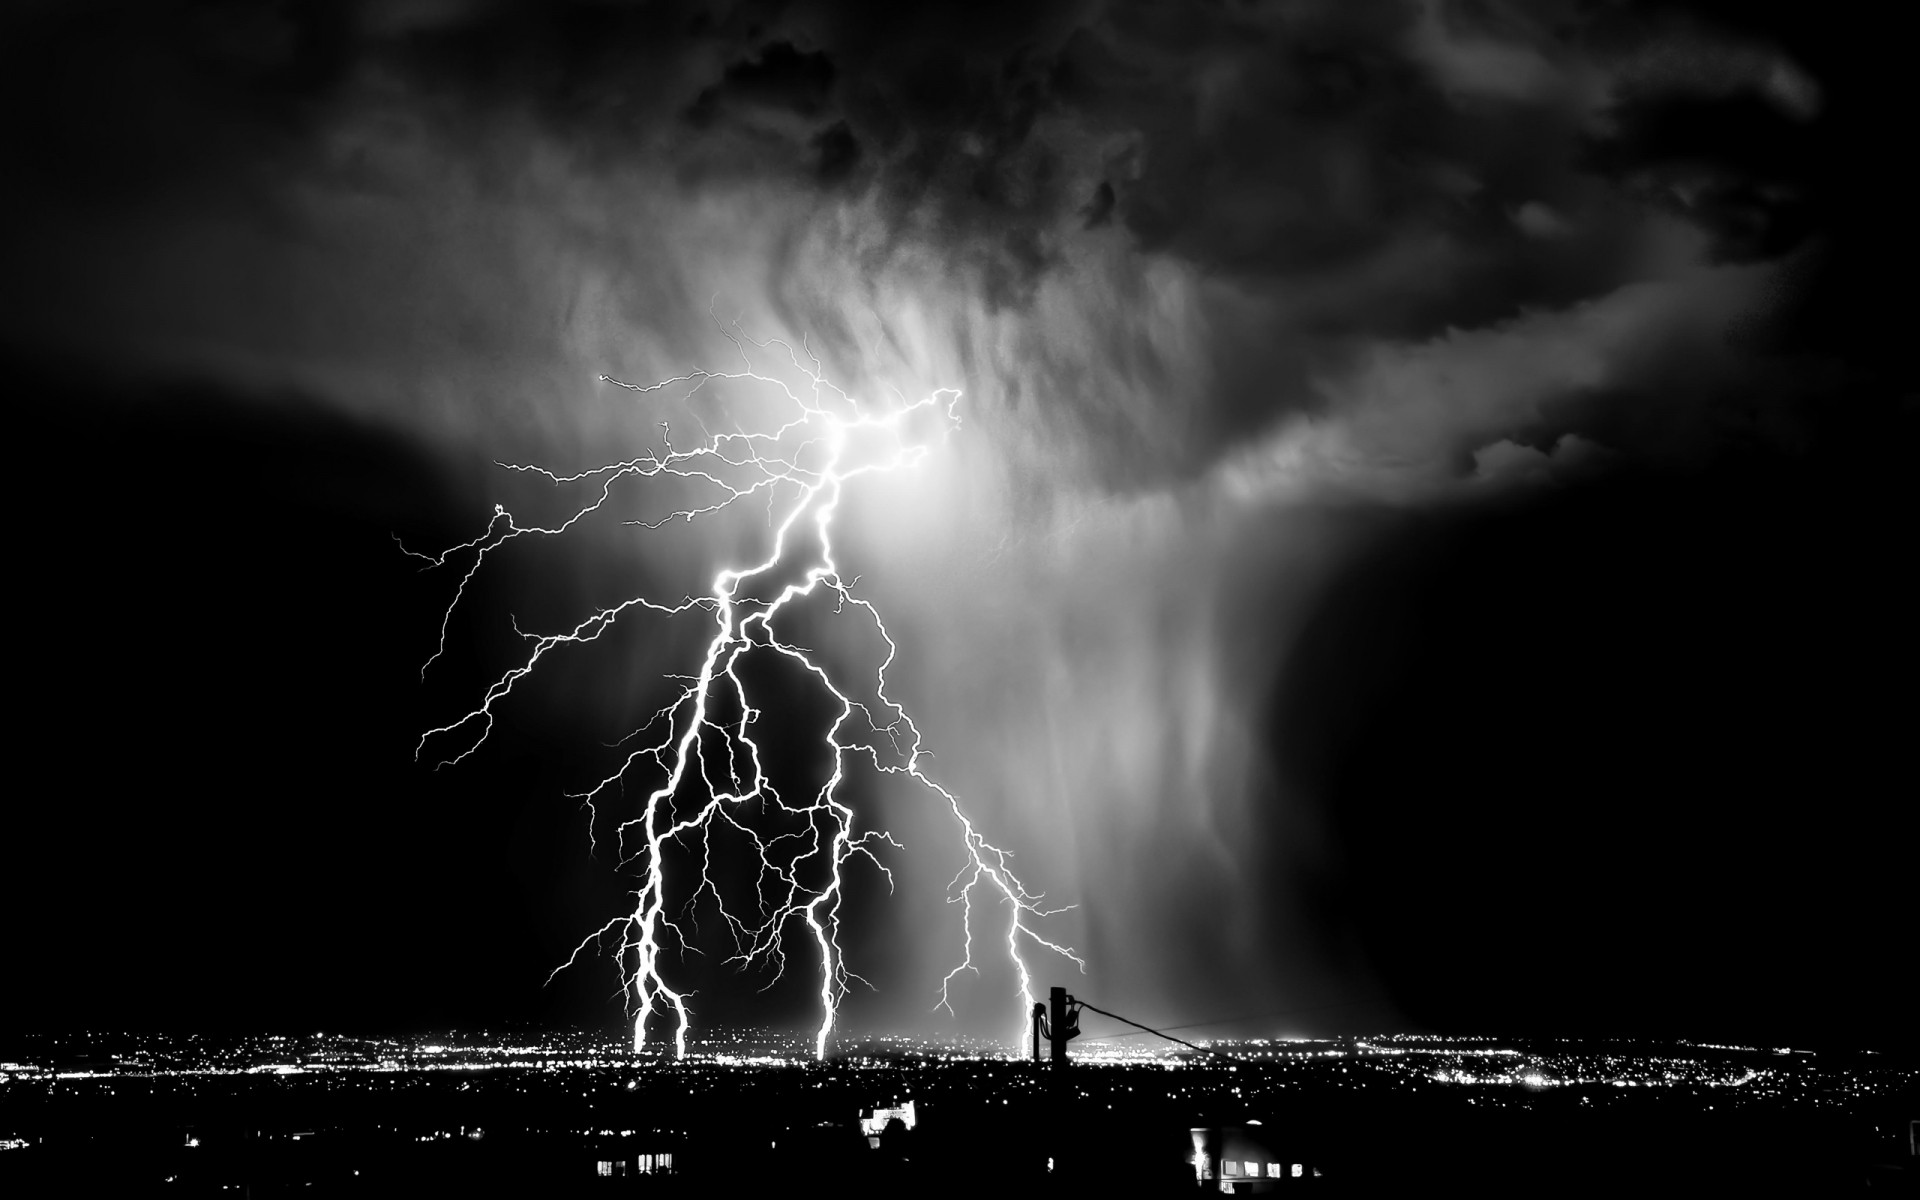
<point>1062,1015</point>
<point>1058,1030</point>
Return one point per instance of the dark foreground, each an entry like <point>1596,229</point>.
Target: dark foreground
<point>1340,1119</point>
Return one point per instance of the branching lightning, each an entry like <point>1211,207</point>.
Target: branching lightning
<point>700,746</point>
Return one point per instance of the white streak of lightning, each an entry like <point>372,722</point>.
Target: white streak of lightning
<point>775,465</point>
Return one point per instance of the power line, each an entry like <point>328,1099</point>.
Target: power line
<point>1155,1032</point>
<point>1278,1012</point>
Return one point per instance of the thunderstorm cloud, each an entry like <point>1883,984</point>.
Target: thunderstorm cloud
<point>1226,286</point>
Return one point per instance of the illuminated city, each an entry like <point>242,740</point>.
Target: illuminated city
<point>578,1108</point>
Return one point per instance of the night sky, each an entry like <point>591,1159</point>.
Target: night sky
<point>1428,544</point>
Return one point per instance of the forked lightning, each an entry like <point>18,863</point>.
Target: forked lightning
<point>700,746</point>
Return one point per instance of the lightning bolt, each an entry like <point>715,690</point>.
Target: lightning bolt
<point>700,748</point>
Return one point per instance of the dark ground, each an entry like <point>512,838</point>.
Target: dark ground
<point>982,1127</point>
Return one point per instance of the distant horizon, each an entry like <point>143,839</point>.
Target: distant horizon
<point>801,1033</point>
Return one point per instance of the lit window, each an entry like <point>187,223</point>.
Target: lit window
<point>605,1168</point>
<point>1273,1170</point>
<point>1229,1167</point>
<point>1299,1169</point>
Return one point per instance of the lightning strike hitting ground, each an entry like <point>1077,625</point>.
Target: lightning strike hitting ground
<point>708,766</point>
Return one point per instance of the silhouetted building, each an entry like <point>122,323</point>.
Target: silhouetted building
<point>1247,1158</point>
<point>633,1153</point>
<point>655,1163</point>
<point>873,1121</point>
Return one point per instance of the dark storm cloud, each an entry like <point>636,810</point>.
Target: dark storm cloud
<point>1374,172</point>
<point>780,78</point>
<point>1319,180</point>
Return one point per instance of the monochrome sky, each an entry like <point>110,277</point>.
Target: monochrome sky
<point>1423,548</point>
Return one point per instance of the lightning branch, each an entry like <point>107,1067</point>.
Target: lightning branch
<point>708,774</point>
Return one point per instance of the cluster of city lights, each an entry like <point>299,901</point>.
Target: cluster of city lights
<point>1238,1068</point>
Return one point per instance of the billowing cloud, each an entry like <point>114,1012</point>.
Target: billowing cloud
<point>1154,232</point>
